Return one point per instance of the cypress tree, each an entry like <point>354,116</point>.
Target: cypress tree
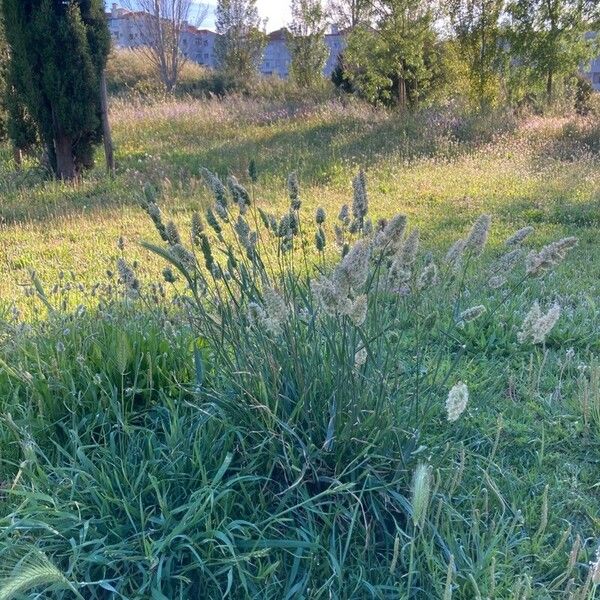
<point>57,54</point>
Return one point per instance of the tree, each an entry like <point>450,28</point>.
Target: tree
<point>351,13</point>
<point>390,62</point>
<point>476,27</point>
<point>3,76</point>
<point>241,42</point>
<point>547,38</point>
<point>161,25</point>
<point>58,52</point>
<point>306,42</point>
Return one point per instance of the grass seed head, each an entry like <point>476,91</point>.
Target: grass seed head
<point>457,401</point>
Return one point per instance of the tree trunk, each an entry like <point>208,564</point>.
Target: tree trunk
<point>549,87</point>
<point>18,157</point>
<point>65,163</point>
<point>106,132</point>
<point>401,92</point>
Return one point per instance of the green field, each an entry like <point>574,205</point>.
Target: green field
<point>153,450</point>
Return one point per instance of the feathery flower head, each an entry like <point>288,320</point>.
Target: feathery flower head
<point>537,325</point>
<point>409,249</point>
<point>239,193</point>
<point>128,279</point>
<point>497,281</point>
<point>216,185</point>
<point>391,236</point>
<point>360,358</point>
<point>344,215</point>
<point>455,253</point>
<point>549,256</point>
<point>320,215</point>
<point>360,205</point>
<point>358,310</point>
<point>320,239</point>
<point>212,221</point>
<point>294,191</point>
<point>183,256</point>
<point>478,235</point>
<point>457,401</point>
<point>353,271</point>
<point>275,305</point>
<point>329,297</point>
<point>428,277</point>
<point>516,238</point>
<point>197,227</point>
<point>470,314</point>
<point>420,494</point>
<point>172,233</point>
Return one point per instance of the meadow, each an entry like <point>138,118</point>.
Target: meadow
<point>238,404</point>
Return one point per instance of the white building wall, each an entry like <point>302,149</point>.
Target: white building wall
<point>199,44</point>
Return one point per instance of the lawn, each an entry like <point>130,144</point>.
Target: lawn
<point>254,442</point>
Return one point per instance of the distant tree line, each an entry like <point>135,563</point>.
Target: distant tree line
<point>398,52</point>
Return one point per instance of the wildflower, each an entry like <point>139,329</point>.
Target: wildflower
<point>358,310</point>
<point>457,400</point>
<point>519,236</point>
<point>428,277</point>
<point>360,206</point>
<point>128,278</point>
<point>197,228</point>
<point>408,252</point>
<point>353,271</point>
<point>320,215</point>
<point>472,313</point>
<point>420,493</point>
<point>294,191</point>
<point>549,256</point>
<point>478,235</point>
<point>360,358</point>
<point>172,233</point>
<point>537,325</point>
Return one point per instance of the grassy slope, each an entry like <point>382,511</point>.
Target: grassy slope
<point>539,175</point>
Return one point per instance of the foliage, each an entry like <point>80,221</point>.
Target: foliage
<point>392,61</point>
<point>241,40</point>
<point>476,27</point>
<point>547,39</point>
<point>306,42</point>
<point>58,52</point>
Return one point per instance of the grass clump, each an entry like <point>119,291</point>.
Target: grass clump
<point>316,428</point>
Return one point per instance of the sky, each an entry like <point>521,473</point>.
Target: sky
<point>276,11</point>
